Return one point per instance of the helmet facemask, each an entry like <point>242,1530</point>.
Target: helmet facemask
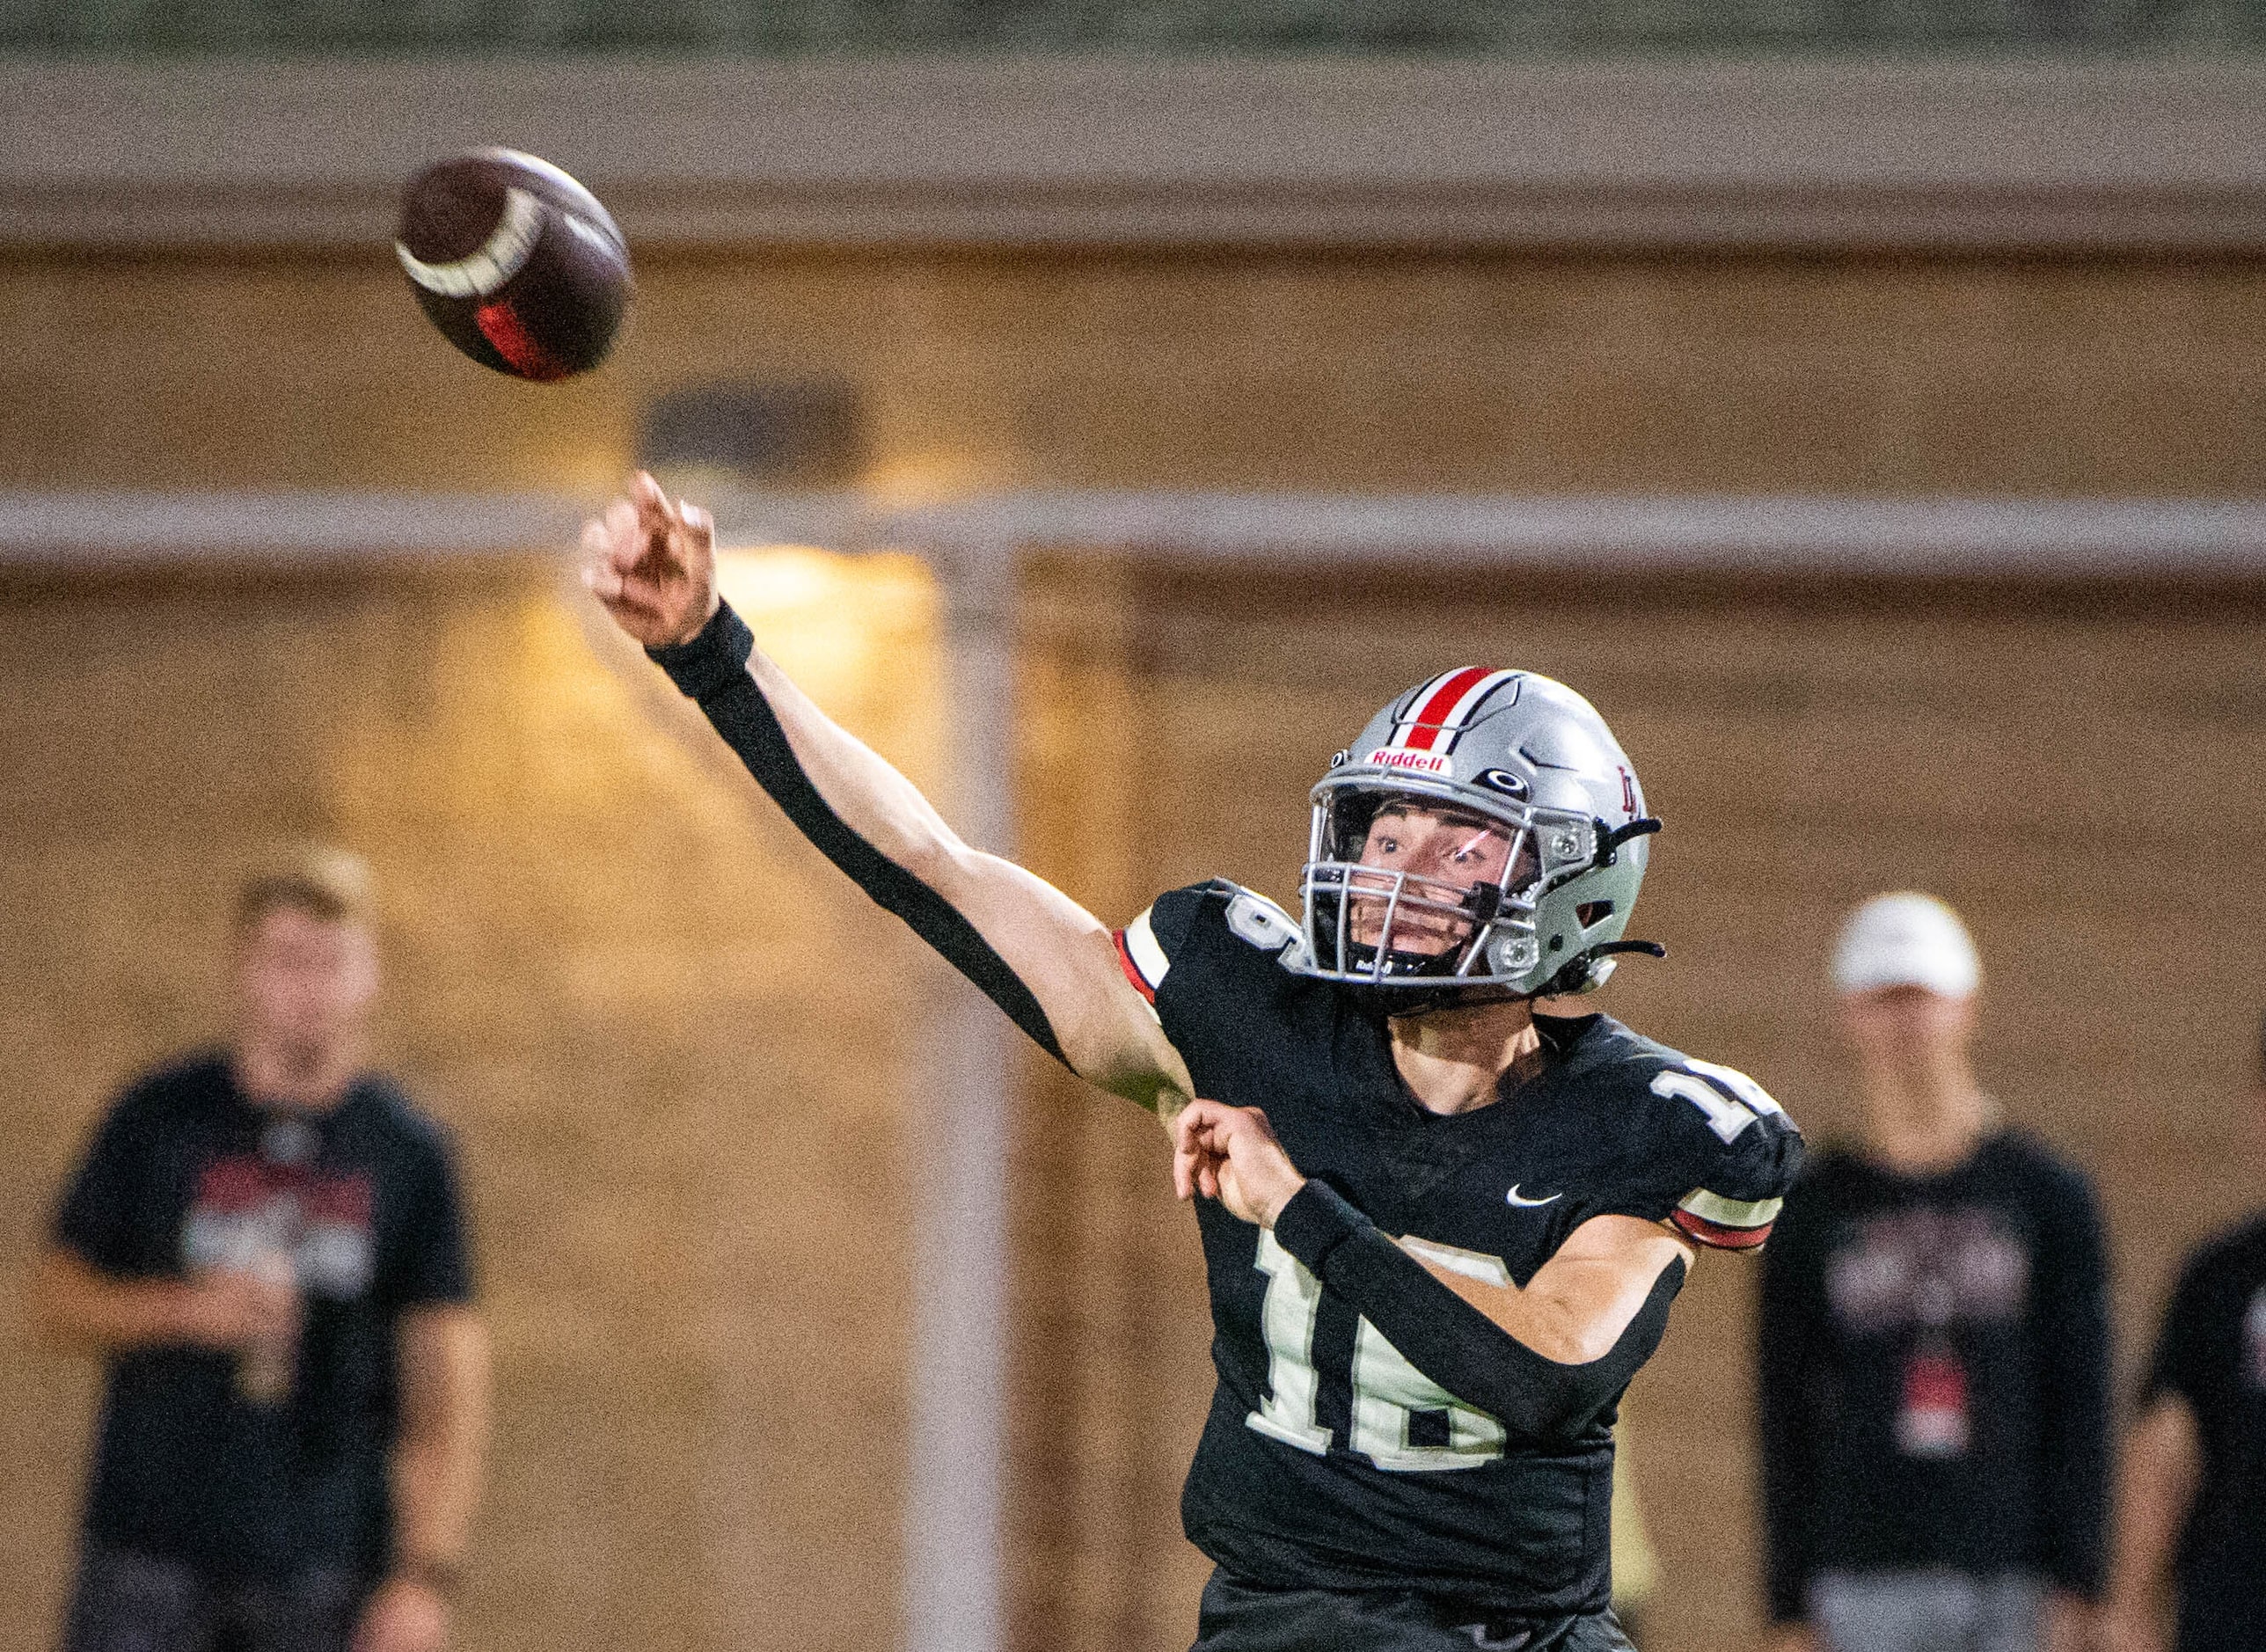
<point>1410,883</point>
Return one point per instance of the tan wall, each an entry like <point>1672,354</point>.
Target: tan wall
<point>1472,372</point>
<point>618,981</point>
<point>622,983</point>
<point>625,986</point>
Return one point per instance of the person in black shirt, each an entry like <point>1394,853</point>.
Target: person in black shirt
<point>265,1244</point>
<point>2194,1503</point>
<point>1441,1230</point>
<point>1932,1343</point>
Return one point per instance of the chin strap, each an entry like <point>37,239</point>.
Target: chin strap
<point>1611,839</point>
<point>1595,967</point>
<point>1649,948</point>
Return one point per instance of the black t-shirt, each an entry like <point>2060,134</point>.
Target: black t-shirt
<point>1329,1460</point>
<point>1933,1372</point>
<point>2212,1355</point>
<point>186,1174</point>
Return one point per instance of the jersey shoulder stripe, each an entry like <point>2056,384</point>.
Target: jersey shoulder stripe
<point>1142,958</point>
<point>1730,1224</point>
<point>1710,1152</point>
<point>1147,946</point>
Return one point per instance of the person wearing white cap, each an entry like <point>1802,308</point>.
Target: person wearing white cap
<point>1933,1341</point>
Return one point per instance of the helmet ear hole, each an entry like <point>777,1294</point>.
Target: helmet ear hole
<point>1590,914</point>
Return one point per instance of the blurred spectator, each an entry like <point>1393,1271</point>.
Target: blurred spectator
<point>265,1246</point>
<point>2194,1504</point>
<point>1933,1341</point>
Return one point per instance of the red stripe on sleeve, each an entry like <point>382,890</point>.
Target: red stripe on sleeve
<point>1702,1232</point>
<point>1132,970</point>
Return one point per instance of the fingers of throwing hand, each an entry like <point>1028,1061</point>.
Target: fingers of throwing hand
<point>625,539</point>
<point>598,571</point>
<point>658,521</point>
<point>700,526</point>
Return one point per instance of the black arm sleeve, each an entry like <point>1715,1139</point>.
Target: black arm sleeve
<point>712,670</point>
<point>2073,1398</point>
<point>1787,1321</point>
<point>1450,1341</point>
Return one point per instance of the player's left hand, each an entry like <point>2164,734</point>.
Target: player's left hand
<point>404,1616</point>
<point>1230,1154</point>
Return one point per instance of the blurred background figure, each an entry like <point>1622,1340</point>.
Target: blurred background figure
<point>2194,1505</point>
<point>1933,1341</point>
<point>265,1244</point>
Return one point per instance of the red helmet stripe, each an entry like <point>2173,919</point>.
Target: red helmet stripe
<point>1420,731</point>
<point>1443,706</point>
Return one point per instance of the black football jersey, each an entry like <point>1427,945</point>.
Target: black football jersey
<point>1328,1460</point>
<point>2212,1354</point>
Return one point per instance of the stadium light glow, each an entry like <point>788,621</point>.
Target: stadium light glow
<point>841,626</point>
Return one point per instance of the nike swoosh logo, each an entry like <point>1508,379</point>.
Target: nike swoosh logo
<point>1529,1204</point>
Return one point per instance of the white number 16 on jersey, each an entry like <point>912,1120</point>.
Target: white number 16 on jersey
<point>1732,1101</point>
<point>1387,1389</point>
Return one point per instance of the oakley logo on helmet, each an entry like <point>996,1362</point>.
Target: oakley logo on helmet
<point>1418,762</point>
<point>1344,757</point>
<point>1504,781</point>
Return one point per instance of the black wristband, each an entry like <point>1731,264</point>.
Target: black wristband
<point>712,660</point>
<point>1314,1222</point>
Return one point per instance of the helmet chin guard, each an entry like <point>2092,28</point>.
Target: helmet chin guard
<point>1482,840</point>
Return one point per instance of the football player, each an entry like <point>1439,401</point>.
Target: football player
<point>1441,1232</point>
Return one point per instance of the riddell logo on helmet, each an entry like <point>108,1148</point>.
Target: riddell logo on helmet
<point>1422,761</point>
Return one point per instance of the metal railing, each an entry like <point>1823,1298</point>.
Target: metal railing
<point>790,27</point>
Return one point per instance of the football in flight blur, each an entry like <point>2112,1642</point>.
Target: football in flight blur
<point>517,264</point>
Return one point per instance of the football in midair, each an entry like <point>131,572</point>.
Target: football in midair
<point>517,264</point>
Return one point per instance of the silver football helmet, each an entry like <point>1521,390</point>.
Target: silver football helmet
<point>1484,838</point>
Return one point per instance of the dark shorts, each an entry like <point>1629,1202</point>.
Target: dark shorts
<point>1241,1617</point>
<point>138,1603</point>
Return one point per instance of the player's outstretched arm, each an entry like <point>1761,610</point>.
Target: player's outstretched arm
<point>1041,957</point>
<point>1544,1357</point>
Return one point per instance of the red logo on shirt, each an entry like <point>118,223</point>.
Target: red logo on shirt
<point>249,1211</point>
<point>1932,1421</point>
